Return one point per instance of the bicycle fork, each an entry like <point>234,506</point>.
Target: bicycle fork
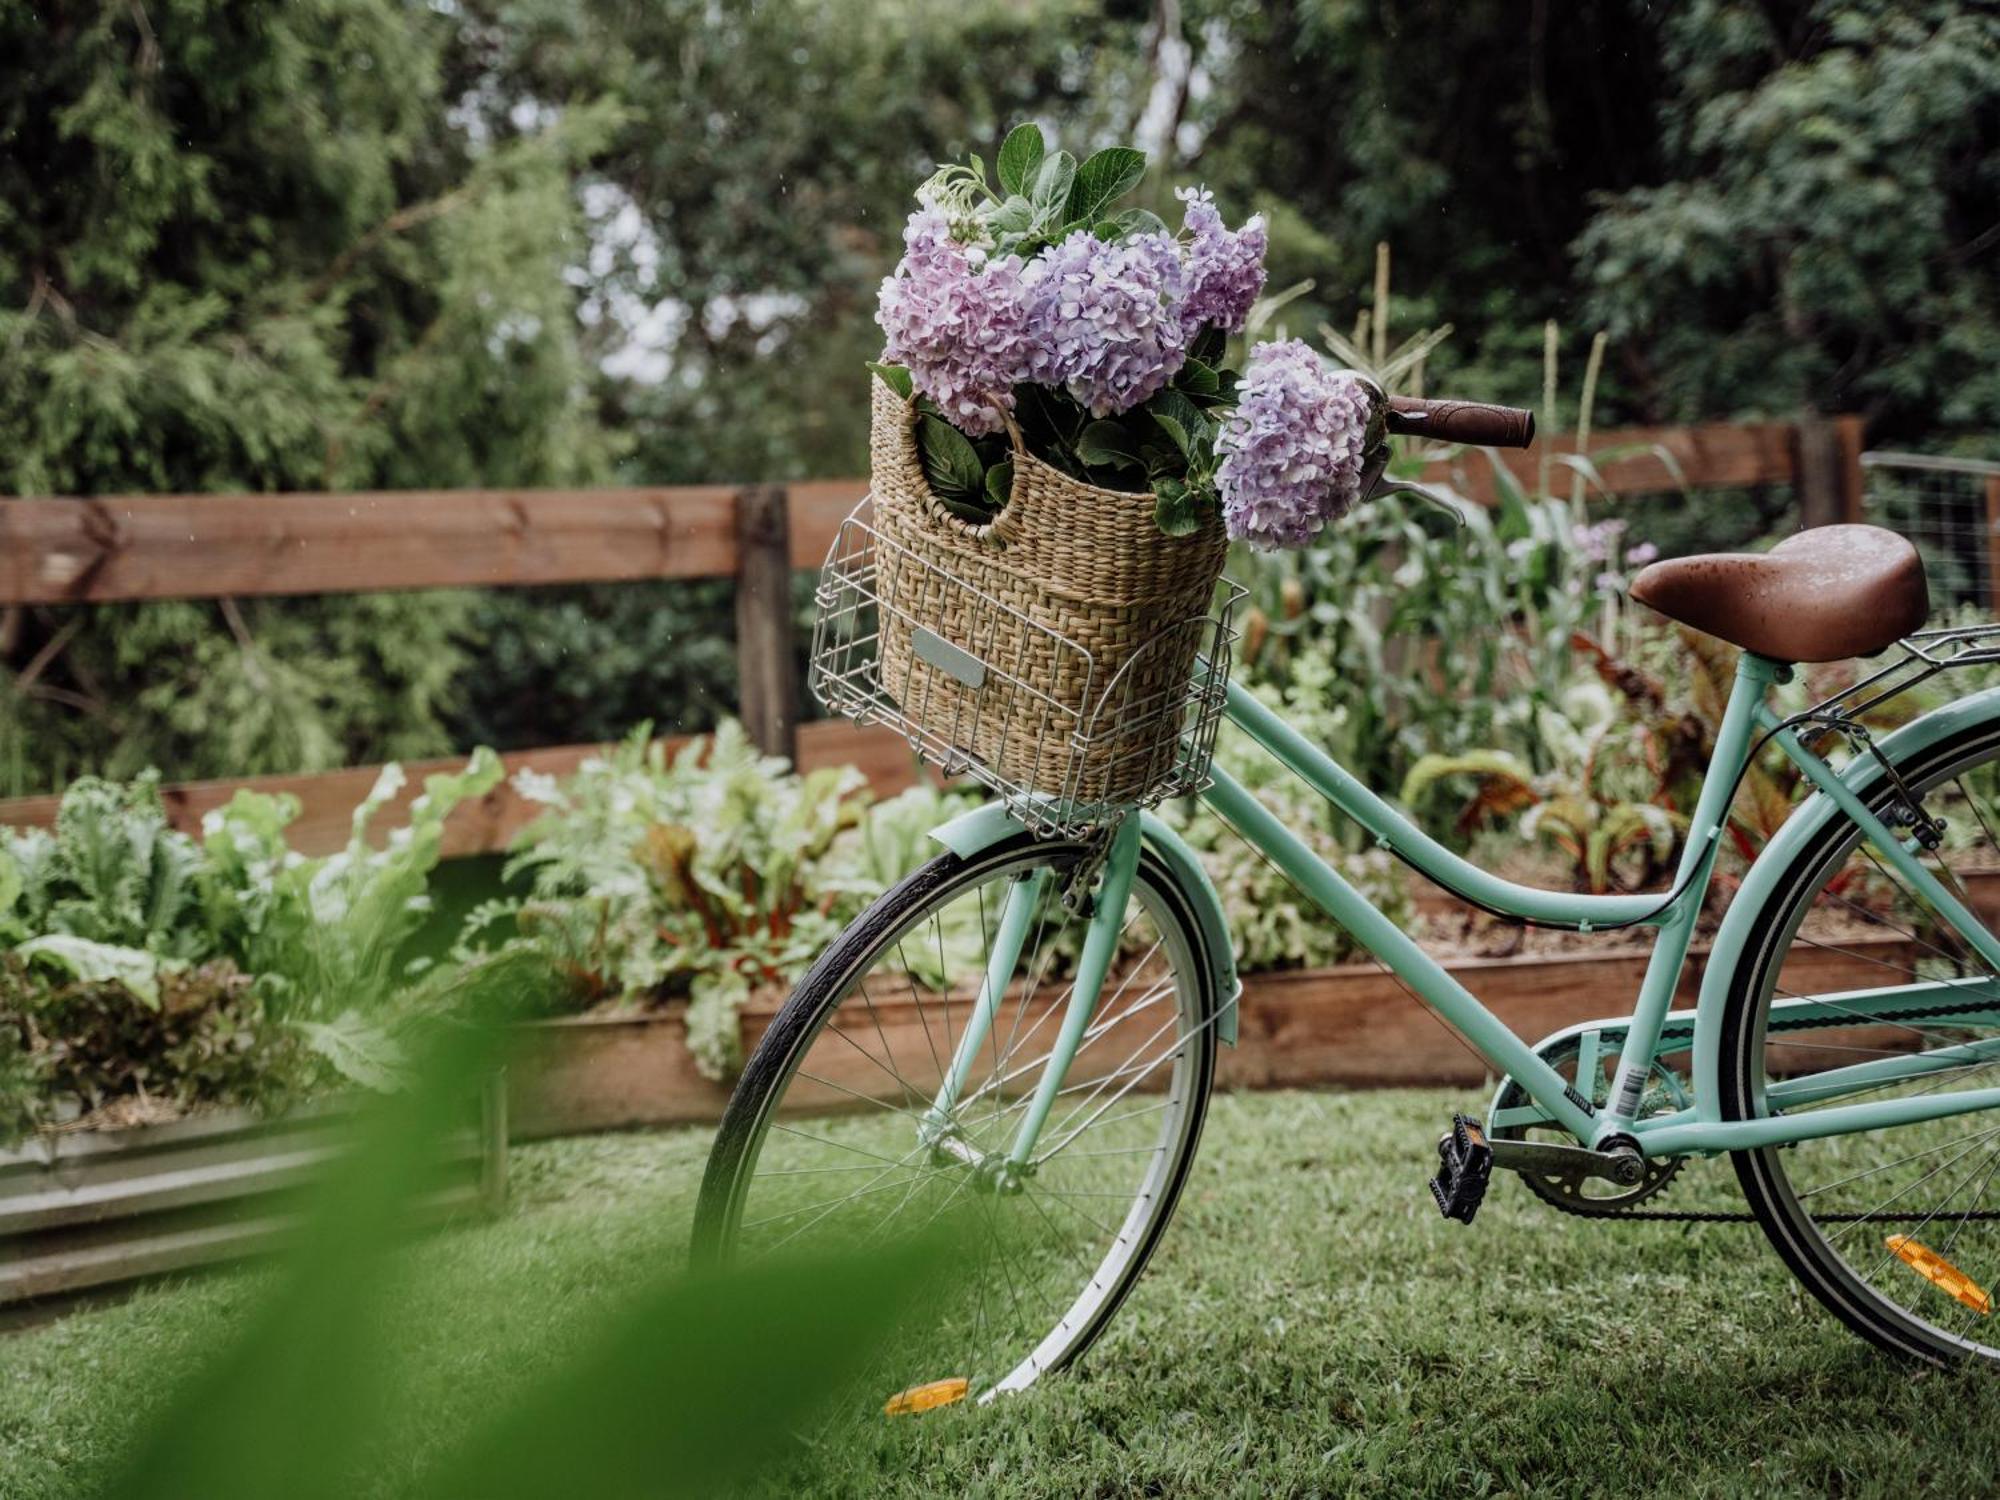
<point>938,1128</point>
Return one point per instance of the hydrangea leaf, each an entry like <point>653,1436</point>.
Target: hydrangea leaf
<point>1021,158</point>
<point>1052,189</point>
<point>1105,444</point>
<point>896,377</point>
<point>951,463</point>
<point>1000,485</point>
<point>1198,377</point>
<point>1104,177</point>
<point>1176,510</point>
<point>1131,221</point>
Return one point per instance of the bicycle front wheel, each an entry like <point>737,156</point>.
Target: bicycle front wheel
<point>1897,1229</point>
<point>841,1132</point>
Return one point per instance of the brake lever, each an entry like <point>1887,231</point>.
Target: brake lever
<point>1376,482</point>
<point>1375,479</point>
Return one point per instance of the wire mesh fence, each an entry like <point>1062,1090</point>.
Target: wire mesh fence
<point>1950,509</point>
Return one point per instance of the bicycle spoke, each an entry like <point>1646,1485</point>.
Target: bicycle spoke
<point>1887,1165</point>
<point>902,1083</point>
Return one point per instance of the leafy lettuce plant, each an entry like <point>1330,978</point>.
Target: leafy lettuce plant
<point>108,895</point>
<point>325,937</point>
<point>112,987</point>
<point>137,964</point>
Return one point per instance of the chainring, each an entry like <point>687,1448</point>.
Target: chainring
<point>1593,1197</point>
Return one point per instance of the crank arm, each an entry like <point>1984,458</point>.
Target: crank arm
<point>1622,1166</point>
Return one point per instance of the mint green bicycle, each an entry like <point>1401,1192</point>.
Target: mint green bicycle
<point>1023,1034</point>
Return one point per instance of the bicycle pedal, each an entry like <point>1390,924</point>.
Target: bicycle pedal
<point>1465,1163</point>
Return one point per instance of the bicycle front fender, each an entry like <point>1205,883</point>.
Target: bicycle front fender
<point>974,832</point>
<point>1741,923</point>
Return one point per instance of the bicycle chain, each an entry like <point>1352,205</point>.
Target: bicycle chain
<point>1721,1216</point>
<point>1718,1216</point>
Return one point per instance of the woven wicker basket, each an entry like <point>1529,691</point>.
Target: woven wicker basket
<point>1092,652</point>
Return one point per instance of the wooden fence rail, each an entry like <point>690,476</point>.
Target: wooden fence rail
<point>127,548</point>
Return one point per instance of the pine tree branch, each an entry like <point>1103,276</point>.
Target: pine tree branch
<point>400,222</point>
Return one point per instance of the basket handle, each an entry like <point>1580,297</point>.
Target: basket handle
<point>1006,526</point>
<point>1013,430</point>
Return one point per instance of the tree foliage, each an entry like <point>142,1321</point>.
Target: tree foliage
<point>1826,234</point>
<point>243,248</point>
<point>755,195</point>
<point>347,243</point>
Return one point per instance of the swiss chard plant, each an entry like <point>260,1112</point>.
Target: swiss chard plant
<point>706,873</point>
<point>692,873</point>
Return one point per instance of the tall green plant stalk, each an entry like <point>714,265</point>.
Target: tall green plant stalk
<point>1550,339</point>
<point>1381,319</point>
<point>1587,404</point>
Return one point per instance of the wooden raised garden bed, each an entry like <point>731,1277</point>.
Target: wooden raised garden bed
<point>90,1209</point>
<point>1352,1026</point>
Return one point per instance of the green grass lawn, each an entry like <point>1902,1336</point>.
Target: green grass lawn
<point>1311,1326</point>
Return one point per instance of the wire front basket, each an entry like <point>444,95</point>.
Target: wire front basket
<point>1070,741</point>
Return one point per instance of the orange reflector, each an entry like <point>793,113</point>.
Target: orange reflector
<point>926,1397</point>
<point>1940,1272</point>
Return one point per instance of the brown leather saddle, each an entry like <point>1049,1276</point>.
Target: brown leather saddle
<point>1822,595</point>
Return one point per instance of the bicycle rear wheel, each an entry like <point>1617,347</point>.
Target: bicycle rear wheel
<point>1895,1230</point>
<point>830,1138</point>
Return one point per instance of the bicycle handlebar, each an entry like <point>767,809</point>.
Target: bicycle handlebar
<point>1476,422</point>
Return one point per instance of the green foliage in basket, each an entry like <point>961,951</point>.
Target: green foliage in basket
<point>710,872</point>
<point>1166,446</point>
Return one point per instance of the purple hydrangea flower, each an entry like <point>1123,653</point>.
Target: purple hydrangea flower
<point>1106,318</point>
<point>1225,268</point>
<point>959,321</point>
<point>1292,451</point>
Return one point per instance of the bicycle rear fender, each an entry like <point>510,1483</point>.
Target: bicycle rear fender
<point>973,832</point>
<point>1739,924</point>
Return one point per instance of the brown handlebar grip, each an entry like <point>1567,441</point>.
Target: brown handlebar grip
<point>1475,422</point>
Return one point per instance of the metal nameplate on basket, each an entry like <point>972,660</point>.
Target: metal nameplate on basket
<point>942,654</point>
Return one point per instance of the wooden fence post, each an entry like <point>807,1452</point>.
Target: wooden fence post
<point>1816,490</point>
<point>1852,432</point>
<point>1828,473</point>
<point>765,666</point>
<point>1993,543</point>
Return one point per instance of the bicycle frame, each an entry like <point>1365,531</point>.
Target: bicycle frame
<point>1695,1129</point>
